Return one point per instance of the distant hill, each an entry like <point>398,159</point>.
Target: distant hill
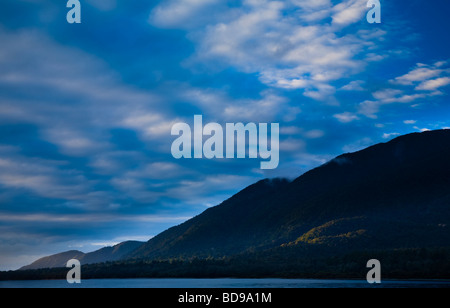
<point>393,195</point>
<point>57,260</point>
<point>106,254</point>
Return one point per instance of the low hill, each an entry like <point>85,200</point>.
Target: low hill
<point>106,254</point>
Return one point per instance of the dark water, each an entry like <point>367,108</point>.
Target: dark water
<point>222,283</point>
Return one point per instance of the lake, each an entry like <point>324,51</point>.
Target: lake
<point>222,283</point>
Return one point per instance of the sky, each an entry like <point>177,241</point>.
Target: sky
<point>86,110</point>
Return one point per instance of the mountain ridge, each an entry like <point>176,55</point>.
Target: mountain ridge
<point>399,182</point>
<point>390,196</point>
<point>101,255</point>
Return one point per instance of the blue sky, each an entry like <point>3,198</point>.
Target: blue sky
<point>86,110</point>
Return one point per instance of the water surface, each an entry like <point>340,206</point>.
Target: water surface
<point>222,283</point>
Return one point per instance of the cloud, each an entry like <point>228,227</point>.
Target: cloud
<point>182,14</point>
<point>73,106</point>
<point>149,124</point>
<point>313,11</point>
<point>434,84</point>
<point>43,177</point>
<point>314,134</point>
<point>197,190</point>
<point>413,86</point>
<point>263,110</point>
<point>349,12</point>
<point>110,140</point>
<point>74,89</point>
<point>89,218</point>
<point>387,95</point>
<point>369,108</point>
<point>390,135</point>
<point>355,85</point>
<point>290,130</point>
<point>71,142</point>
<point>424,76</point>
<point>80,106</point>
<point>160,170</point>
<point>418,74</point>
<point>260,37</point>
<point>346,117</point>
<point>291,145</point>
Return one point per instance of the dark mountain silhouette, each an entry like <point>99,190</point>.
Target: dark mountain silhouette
<point>56,260</point>
<point>106,254</point>
<point>393,195</point>
<point>390,201</point>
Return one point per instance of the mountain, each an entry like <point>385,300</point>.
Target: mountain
<point>57,260</point>
<point>105,254</point>
<point>114,253</point>
<point>393,195</point>
<point>390,201</point>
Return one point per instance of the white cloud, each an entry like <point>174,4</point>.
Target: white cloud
<point>181,14</point>
<point>198,190</point>
<point>262,110</point>
<point>286,52</point>
<point>79,99</point>
<point>346,117</point>
<point>217,105</point>
<point>440,63</point>
<point>151,125</point>
<point>422,129</point>
<point>314,134</point>
<point>369,108</point>
<point>88,218</point>
<point>348,12</point>
<point>355,85</point>
<point>390,135</point>
<point>404,88</point>
<point>422,74</point>
<point>291,145</point>
<point>373,57</point>
<point>43,177</point>
<point>312,5</point>
<point>160,170</point>
<point>289,130</point>
<point>418,74</point>
<point>72,142</point>
<point>80,102</point>
<point>387,95</point>
<point>434,84</point>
